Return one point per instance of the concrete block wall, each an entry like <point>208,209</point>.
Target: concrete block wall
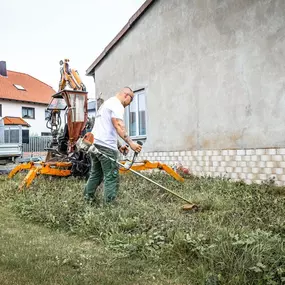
<point>249,165</point>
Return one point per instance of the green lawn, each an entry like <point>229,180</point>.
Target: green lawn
<point>33,254</point>
<point>48,235</point>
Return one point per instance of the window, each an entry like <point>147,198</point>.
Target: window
<point>0,110</point>
<point>136,115</point>
<point>19,87</point>
<point>57,104</point>
<point>12,136</point>
<point>28,113</point>
<point>25,136</point>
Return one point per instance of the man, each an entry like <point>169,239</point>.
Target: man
<point>109,123</point>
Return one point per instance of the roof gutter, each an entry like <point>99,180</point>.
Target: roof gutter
<point>23,101</point>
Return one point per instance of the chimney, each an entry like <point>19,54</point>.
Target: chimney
<point>3,70</point>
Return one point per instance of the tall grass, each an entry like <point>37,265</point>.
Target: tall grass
<point>236,237</point>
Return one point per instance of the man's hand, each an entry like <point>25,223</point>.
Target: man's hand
<point>121,130</point>
<point>135,147</point>
<point>124,149</point>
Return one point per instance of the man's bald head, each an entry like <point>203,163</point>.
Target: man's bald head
<point>127,89</point>
<point>126,96</point>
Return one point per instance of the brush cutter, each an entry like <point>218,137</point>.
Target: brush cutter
<point>188,206</point>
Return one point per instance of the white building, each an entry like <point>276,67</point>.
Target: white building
<point>209,83</point>
<point>24,96</point>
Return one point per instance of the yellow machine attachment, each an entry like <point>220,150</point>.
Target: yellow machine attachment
<point>62,169</point>
<point>147,165</point>
<point>49,168</point>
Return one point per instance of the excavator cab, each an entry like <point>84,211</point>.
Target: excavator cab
<point>74,103</point>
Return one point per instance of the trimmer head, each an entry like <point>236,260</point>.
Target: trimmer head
<point>190,207</point>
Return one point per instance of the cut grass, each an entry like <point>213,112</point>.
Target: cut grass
<point>237,237</point>
<point>32,254</point>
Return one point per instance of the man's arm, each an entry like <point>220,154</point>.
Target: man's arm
<point>122,132</point>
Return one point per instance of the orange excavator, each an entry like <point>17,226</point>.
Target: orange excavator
<point>68,151</point>
<point>64,158</point>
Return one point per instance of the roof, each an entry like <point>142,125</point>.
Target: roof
<point>120,35</point>
<point>35,91</point>
<point>15,121</point>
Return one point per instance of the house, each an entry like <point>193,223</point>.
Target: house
<point>209,78</point>
<point>23,96</point>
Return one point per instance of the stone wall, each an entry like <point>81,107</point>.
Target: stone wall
<point>250,165</point>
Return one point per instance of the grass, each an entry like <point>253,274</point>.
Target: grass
<point>31,254</point>
<point>237,236</point>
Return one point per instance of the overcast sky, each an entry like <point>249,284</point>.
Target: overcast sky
<point>35,34</point>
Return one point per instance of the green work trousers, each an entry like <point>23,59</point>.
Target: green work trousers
<point>102,168</point>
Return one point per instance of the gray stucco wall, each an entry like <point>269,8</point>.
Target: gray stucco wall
<point>213,70</point>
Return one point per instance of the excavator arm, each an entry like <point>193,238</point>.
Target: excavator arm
<point>69,77</point>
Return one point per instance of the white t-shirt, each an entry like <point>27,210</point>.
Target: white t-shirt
<point>104,132</point>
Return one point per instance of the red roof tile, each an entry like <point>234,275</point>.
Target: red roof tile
<point>35,90</point>
<point>15,121</point>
